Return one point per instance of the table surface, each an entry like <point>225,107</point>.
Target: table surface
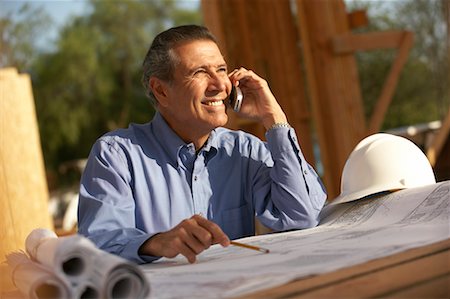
<point>422,272</point>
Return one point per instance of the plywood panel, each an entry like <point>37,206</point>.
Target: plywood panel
<point>23,186</point>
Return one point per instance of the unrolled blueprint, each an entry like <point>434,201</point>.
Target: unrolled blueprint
<point>349,234</point>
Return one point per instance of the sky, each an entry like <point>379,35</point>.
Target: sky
<point>60,11</point>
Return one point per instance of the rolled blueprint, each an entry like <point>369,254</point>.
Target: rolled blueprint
<point>90,272</point>
<point>119,278</point>
<point>34,280</point>
<point>70,258</point>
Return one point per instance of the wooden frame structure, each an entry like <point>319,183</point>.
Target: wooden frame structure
<point>307,54</point>
<point>271,51</point>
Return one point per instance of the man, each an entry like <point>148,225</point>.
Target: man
<point>182,182</point>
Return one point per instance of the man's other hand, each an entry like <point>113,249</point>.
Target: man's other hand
<point>189,238</point>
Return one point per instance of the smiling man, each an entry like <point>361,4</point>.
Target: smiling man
<point>183,182</point>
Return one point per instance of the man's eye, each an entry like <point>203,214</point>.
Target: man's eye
<point>199,71</point>
<point>223,69</point>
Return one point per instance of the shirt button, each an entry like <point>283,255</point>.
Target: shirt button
<point>195,178</point>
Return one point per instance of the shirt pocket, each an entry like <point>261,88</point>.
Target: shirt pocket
<point>238,222</point>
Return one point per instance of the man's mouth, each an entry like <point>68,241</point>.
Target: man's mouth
<point>214,103</point>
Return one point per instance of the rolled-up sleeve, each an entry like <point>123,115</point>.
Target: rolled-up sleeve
<point>294,192</point>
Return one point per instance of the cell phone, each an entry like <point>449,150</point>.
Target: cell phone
<point>235,99</point>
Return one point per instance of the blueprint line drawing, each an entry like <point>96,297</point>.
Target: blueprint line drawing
<point>348,234</point>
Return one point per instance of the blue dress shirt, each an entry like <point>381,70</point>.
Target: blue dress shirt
<point>144,180</point>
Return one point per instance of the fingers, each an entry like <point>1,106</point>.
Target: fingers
<point>189,238</point>
<point>241,74</point>
<point>198,234</point>
<point>259,102</point>
<point>214,233</point>
<point>250,83</point>
<point>187,245</point>
<point>194,235</point>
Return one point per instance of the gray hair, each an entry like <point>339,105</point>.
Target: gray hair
<point>160,61</point>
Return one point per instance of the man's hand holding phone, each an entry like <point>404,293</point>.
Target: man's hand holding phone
<point>257,100</point>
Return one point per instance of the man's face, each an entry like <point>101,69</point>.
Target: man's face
<point>195,102</point>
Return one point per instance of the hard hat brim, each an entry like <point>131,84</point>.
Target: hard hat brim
<point>373,191</point>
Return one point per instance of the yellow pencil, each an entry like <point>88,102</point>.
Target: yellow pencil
<point>263,250</point>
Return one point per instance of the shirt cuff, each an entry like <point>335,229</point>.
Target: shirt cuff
<point>132,249</point>
<point>281,140</point>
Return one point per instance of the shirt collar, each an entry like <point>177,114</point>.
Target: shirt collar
<point>172,143</point>
<point>169,140</point>
<point>210,148</point>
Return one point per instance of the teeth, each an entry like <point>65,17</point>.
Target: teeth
<point>214,103</point>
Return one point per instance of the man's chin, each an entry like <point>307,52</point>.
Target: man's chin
<point>224,121</point>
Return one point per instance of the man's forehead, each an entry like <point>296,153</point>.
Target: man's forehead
<point>203,52</point>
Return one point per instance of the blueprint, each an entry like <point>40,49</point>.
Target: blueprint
<point>348,234</point>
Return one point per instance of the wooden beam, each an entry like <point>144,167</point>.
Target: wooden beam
<point>390,84</point>
<point>333,85</point>
<point>275,57</point>
<point>435,149</point>
<point>228,20</point>
<point>212,16</point>
<point>281,61</point>
<point>357,19</point>
<point>403,40</point>
<point>347,43</point>
<point>24,193</point>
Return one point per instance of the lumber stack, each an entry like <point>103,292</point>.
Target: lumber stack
<point>23,186</point>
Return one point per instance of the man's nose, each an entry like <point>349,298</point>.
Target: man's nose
<point>218,83</point>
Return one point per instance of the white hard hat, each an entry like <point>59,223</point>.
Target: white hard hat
<point>383,162</point>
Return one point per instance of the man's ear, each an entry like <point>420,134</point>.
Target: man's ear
<point>159,89</point>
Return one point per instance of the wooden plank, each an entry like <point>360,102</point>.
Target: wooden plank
<point>311,82</point>
<point>23,185</point>
<point>357,19</point>
<point>314,96</point>
<point>213,18</point>
<point>386,280</point>
<point>435,288</point>
<point>8,73</point>
<point>333,86</point>
<point>350,42</point>
<point>306,286</point>
<point>403,40</point>
<point>390,84</point>
<point>435,149</point>
<point>280,58</point>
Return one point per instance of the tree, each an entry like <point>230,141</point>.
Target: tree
<point>422,93</point>
<point>18,36</point>
<point>91,83</point>
<point>428,21</point>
